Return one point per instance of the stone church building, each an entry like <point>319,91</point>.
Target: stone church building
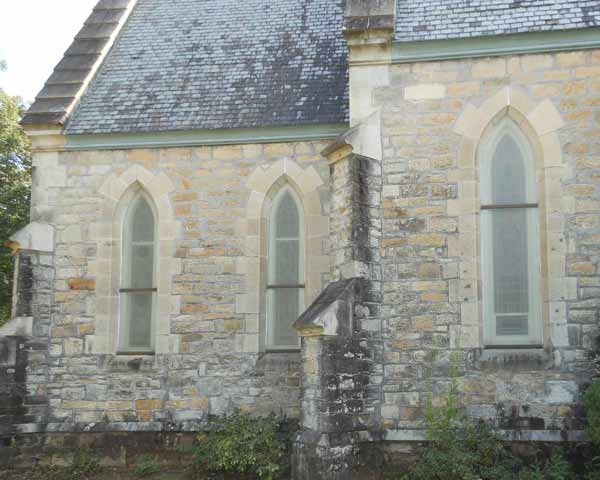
<point>330,210</point>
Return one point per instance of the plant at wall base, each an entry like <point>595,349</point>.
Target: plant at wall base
<point>591,402</point>
<point>459,448</point>
<point>83,467</point>
<point>241,446</point>
<point>15,166</point>
<point>556,468</point>
<point>146,465</point>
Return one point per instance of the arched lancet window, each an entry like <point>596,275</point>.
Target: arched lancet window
<point>510,240</point>
<point>285,279</point>
<point>138,277</point>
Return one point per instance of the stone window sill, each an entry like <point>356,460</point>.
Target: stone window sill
<point>518,358</point>
<point>135,354</point>
<point>282,350</point>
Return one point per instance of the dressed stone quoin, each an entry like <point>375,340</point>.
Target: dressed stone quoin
<point>323,209</point>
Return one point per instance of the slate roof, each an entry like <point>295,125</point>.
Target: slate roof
<point>445,19</point>
<point>208,64</point>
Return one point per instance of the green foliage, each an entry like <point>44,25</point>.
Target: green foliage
<point>556,468</point>
<point>459,448</point>
<point>83,467</point>
<point>242,446</point>
<point>591,402</point>
<point>15,170</point>
<point>146,465</point>
<point>593,472</point>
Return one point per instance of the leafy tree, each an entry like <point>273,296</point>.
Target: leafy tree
<point>15,182</point>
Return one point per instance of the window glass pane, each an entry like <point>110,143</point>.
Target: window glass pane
<point>287,220</point>
<point>142,266</point>
<point>284,309</point>
<point>142,222</point>
<point>508,173</point>
<point>287,262</point>
<point>512,325</point>
<point>510,270</point>
<point>138,273</point>
<point>139,319</point>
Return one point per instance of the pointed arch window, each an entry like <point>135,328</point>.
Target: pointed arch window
<point>285,278</point>
<point>138,277</point>
<point>510,240</point>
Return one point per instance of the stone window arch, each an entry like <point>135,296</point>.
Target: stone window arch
<point>139,274</point>
<point>266,183</point>
<point>119,194</point>
<point>510,238</point>
<point>538,123</point>
<point>285,271</point>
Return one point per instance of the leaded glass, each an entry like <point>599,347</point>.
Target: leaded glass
<point>137,290</point>
<point>286,291</point>
<point>509,241</point>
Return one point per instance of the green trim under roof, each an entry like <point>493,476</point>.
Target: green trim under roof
<point>533,42</point>
<point>233,136</point>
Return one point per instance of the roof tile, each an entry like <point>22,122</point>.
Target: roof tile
<point>445,19</point>
<point>207,64</point>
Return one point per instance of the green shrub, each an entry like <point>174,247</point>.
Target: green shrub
<point>556,468</point>
<point>593,472</point>
<point>591,400</point>
<point>83,467</point>
<point>243,447</point>
<point>460,449</point>
<point>146,465</point>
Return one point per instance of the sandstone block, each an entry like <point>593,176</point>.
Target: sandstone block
<point>82,284</point>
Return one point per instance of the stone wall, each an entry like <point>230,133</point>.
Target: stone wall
<point>408,225</point>
<point>24,360</point>
<point>434,114</point>
<point>209,357</point>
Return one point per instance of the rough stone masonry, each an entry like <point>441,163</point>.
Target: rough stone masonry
<point>392,234</point>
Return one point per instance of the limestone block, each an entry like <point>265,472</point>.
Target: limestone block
<point>494,104</point>
<point>167,343</point>
<point>73,346</point>
<point>17,326</point>
<point>489,68</point>
<point>35,236</point>
<point>71,234</point>
<point>254,206</point>
<point>559,392</point>
<point>559,334</point>
<point>425,91</point>
<point>252,323</point>
<point>309,180</point>
<point>48,170</point>
<point>545,118</point>
<point>471,122</point>
<point>363,81</point>
<point>246,303</point>
<point>247,343</point>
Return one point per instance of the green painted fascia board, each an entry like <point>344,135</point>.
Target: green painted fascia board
<point>518,43</point>
<point>235,136</point>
